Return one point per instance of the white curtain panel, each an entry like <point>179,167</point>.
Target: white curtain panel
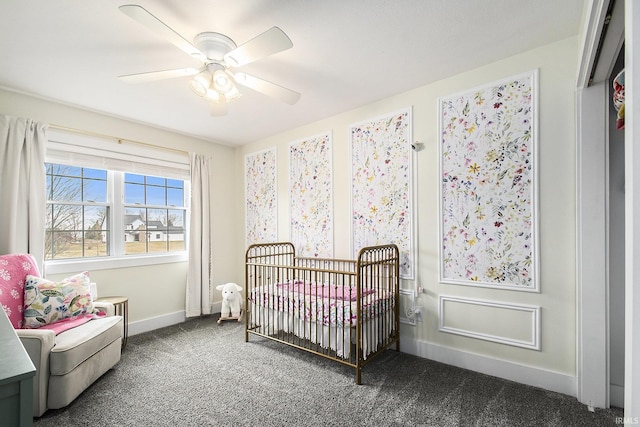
<point>199,288</point>
<point>22,188</point>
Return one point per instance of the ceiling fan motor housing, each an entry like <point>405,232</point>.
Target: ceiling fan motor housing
<point>214,45</point>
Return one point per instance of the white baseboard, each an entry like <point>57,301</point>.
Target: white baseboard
<point>163,321</point>
<point>153,323</point>
<point>548,380</point>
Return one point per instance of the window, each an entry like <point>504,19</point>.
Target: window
<point>77,212</point>
<point>154,214</point>
<point>112,203</point>
<point>80,211</point>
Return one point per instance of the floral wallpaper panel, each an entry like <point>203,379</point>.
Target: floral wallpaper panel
<point>382,185</point>
<point>261,197</point>
<point>487,185</point>
<point>311,189</point>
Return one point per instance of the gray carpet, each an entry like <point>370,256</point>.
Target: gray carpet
<point>200,373</point>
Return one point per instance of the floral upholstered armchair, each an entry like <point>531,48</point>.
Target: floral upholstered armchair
<point>71,340</point>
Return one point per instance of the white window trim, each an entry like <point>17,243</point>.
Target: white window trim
<point>106,263</point>
<point>63,147</point>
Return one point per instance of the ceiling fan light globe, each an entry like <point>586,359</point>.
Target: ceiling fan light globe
<point>200,83</point>
<point>232,94</point>
<point>197,87</point>
<point>223,82</point>
<point>213,96</point>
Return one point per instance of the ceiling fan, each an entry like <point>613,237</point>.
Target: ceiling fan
<point>216,81</point>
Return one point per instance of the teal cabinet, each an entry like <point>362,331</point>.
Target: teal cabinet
<point>16,378</point>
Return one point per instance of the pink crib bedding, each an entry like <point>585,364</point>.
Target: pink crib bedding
<point>331,304</point>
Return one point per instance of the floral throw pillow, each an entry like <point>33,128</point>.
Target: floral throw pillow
<point>13,270</point>
<point>47,302</point>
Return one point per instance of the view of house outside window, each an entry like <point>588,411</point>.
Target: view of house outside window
<point>82,216</point>
<point>154,214</point>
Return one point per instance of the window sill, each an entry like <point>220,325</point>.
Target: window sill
<point>109,263</point>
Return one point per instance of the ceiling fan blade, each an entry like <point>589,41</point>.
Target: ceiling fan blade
<point>218,109</point>
<point>271,89</point>
<point>271,41</point>
<point>158,75</point>
<point>144,17</point>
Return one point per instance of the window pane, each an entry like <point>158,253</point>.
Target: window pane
<point>175,196</point>
<point>66,170</point>
<point>175,218</point>
<point>135,247</point>
<point>154,180</point>
<point>175,230</point>
<point>96,231</point>
<point>137,179</point>
<point>65,189</point>
<point>176,245</point>
<point>175,183</point>
<point>135,231</point>
<point>94,248</point>
<point>64,217</point>
<point>95,191</point>
<point>156,195</point>
<point>48,186</point>
<point>134,193</point>
<point>75,184</point>
<point>95,173</point>
<point>95,218</point>
<point>72,230</point>
<point>157,242</point>
<point>157,230</point>
<point>62,244</point>
<point>134,218</point>
<point>157,219</point>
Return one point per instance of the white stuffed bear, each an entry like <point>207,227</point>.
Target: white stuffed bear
<point>231,299</point>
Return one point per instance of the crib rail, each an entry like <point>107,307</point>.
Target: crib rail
<point>378,269</point>
<point>344,310</point>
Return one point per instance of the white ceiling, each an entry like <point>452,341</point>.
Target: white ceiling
<point>346,53</point>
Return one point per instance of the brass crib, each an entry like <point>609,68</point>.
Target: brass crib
<point>343,310</point>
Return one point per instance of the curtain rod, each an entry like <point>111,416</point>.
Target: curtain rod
<point>118,140</point>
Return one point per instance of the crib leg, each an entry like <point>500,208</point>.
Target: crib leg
<point>358,376</point>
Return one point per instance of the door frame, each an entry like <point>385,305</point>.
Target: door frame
<point>597,60</point>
